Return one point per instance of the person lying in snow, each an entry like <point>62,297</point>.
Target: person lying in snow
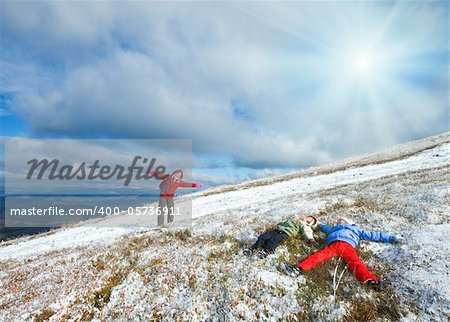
<point>301,226</point>
<point>342,240</point>
<point>169,185</point>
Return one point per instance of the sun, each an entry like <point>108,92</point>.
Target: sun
<point>362,65</point>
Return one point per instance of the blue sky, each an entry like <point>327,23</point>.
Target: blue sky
<point>260,87</point>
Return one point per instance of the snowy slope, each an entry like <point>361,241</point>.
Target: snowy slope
<point>403,190</point>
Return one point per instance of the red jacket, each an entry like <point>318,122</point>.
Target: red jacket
<point>169,185</point>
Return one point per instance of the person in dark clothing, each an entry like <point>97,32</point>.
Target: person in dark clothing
<point>269,240</point>
<point>293,227</point>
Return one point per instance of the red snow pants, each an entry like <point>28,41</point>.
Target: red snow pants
<point>344,251</point>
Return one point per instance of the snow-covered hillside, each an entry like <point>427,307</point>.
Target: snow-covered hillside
<point>104,273</point>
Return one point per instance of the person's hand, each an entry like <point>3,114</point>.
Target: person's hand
<point>398,240</point>
<point>198,185</point>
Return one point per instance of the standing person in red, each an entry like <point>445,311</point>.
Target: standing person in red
<point>342,240</point>
<point>169,185</point>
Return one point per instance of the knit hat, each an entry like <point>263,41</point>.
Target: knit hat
<point>314,221</point>
<point>348,220</point>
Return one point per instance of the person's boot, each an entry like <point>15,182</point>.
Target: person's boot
<point>248,252</point>
<point>263,253</point>
<point>160,220</point>
<point>376,286</point>
<point>291,270</point>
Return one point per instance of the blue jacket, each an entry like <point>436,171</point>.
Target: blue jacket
<point>351,234</point>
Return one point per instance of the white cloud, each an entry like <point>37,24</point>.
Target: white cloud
<point>208,180</point>
<point>4,112</point>
<point>173,70</point>
<point>130,95</point>
<point>19,152</point>
<point>264,173</point>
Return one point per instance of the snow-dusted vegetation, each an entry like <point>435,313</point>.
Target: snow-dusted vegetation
<point>199,273</point>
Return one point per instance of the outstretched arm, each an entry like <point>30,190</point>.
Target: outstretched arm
<point>377,236</point>
<point>190,184</point>
<point>158,175</point>
<point>326,229</point>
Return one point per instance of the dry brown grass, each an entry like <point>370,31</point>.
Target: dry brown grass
<point>44,315</point>
<point>319,284</point>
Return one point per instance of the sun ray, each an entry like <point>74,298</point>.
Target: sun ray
<point>286,30</point>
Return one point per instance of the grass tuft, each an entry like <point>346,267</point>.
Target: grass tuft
<point>183,235</point>
<point>102,296</point>
<point>44,315</point>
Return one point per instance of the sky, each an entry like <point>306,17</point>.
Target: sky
<point>24,175</point>
<point>261,88</point>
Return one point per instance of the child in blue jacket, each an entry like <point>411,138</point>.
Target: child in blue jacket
<point>342,240</point>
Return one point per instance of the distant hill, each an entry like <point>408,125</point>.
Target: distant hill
<point>89,272</point>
